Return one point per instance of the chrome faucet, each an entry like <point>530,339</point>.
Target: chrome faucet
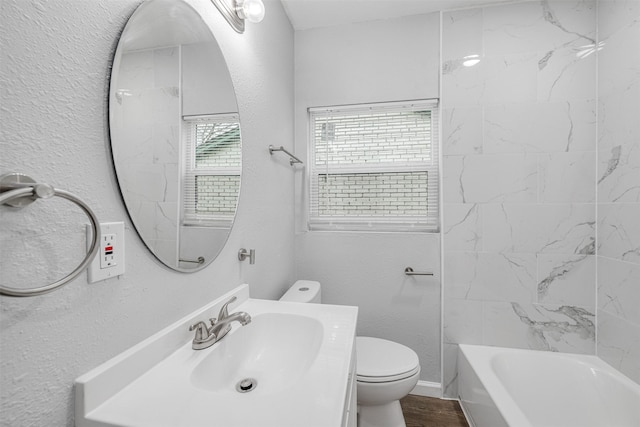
<point>206,337</point>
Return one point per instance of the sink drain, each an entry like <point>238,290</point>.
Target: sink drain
<point>246,385</point>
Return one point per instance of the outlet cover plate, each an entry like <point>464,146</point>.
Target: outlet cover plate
<point>111,238</point>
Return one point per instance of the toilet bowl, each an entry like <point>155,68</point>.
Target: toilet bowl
<point>385,371</point>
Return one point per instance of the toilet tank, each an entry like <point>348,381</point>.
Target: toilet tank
<point>303,291</point>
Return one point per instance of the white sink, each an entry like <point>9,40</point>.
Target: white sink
<point>275,350</point>
<point>298,358</point>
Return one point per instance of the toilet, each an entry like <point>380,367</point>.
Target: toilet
<point>385,372</point>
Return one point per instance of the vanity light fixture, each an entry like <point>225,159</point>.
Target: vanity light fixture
<point>237,11</point>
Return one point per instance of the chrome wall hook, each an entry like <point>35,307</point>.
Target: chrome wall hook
<point>244,254</point>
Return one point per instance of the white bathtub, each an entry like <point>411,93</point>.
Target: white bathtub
<point>524,388</point>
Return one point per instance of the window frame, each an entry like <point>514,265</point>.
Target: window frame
<point>429,222</point>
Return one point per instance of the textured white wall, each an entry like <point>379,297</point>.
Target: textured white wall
<point>54,76</point>
<point>388,60</point>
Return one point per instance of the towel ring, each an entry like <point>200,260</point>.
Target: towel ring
<point>19,190</point>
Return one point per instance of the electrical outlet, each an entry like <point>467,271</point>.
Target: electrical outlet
<point>108,249</point>
<point>109,261</point>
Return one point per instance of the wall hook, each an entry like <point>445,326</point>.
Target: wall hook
<point>244,254</point>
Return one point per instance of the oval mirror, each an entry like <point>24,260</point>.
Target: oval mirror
<point>175,134</point>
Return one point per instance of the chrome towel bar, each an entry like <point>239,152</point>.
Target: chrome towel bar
<point>409,272</point>
<point>293,159</point>
<point>200,260</point>
<point>19,190</point>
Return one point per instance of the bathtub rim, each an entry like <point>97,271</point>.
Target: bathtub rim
<point>505,404</point>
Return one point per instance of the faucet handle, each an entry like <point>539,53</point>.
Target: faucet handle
<point>224,311</point>
<point>202,332</point>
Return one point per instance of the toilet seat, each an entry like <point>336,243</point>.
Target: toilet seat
<point>380,360</point>
<point>365,379</point>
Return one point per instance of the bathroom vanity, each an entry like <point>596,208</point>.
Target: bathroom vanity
<point>291,365</point>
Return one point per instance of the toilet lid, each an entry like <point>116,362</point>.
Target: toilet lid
<point>383,360</point>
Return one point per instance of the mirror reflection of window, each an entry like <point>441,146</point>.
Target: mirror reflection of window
<point>212,170</point>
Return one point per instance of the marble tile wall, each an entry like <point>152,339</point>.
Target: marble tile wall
<point>152,78</point>
<point>618,260</point>
<point>519,155</point>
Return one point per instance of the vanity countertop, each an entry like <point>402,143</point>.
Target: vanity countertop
<point>159,382</point>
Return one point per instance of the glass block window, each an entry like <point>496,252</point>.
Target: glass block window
<point>212,167</point>
<point>374,167</point>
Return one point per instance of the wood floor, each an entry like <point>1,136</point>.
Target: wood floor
<point>422,411</point>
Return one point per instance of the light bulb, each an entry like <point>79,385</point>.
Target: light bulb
<point>251,10</point>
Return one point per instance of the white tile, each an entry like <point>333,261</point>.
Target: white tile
<point>461,321</point>
<point>619,74</point>
<point>617,15</point>
<point>567,280</point>
<point>619,61</point>
<point>462,86</point>
<point>143,182</point>
<point>166,221</point>
<point>619,344</point>
<point>462,227</point>
<point>619,231</point>
<point>137,108</point>
<point>462,130</point>
<point>145,216</point>
<point>172,182</point>
<point>618,122</point>
<point>136,70</point>
<point>619,289</point>
<point>557,228</point>
<point>566,229</point>
<point>515,28</point>
<point>462,33</point>
<point>567,76</point>
<point>503,328</point>
<point>494,178</point>
<point>539,327</point>
<point>452,167</point>
<point>450,371</point>
<point>573,19</point>
<point>166,67</point>
<point>509,79</point>
<point>619,174</point>
<point>540,127</point>
<point>582,115</point>
<point>568,177</point>
<point>133,145</point>
<point>166,143</point>
<point>166,105</point>
<point>490,276</point>
<point>537,26</point>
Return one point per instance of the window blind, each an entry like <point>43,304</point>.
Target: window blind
<point>374,167</point>
<point>212,167</point>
